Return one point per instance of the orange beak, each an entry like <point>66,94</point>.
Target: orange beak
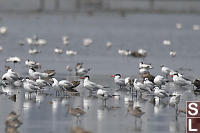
<point>113,76</point>
<point>82,77</point>
<point>171,76</point>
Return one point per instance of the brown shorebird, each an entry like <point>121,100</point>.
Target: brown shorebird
<point>77,112</point>
<point>136,111</point>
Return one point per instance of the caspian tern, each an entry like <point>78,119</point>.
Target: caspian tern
<point>32,64</point>
<point>10,76</point>
<point>148,83</point>
<point>180,80</point>
<point>91,86</point>
<point>30,86</point>
<point>119,81</point>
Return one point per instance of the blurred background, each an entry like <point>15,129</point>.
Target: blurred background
<point>101,5</point>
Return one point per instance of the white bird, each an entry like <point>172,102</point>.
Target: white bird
<point>109,44</point>
<point>13,59</point>
<point>10,76</point>
<point>174,101</point>
<point>33,51</point>
<point>143,70</point>
<point>124,52</point>
<point>30,86</point>
<point>80,71</point>
<point>91,86</point>
<point>71,52</point>
<point>140,87</point>
<point>1,48</point>
<point>42,83</point>
<point>41,42</point>
<point>33,64</point>
<point>104,95</point>
<point>3,30</point>
<point>165,70</point>
<point>180,80</point>
<point>172,53</point>
<point>142,52</point>
<point>196,27</point>
<point>167,42</point>
<point>179,26</point>
<point>87,42</point>
<point>159,80</point>
<point>148,83</point>
<point>58,51</point>
<point>35,75</point>
<point>65,40</point>
<point>146,66</point>
<point>160,93</point>
<point>68,68</point>
<point>56,86</point>
<point>119,81</point>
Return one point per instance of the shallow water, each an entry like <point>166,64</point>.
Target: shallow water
<point>135,31</point>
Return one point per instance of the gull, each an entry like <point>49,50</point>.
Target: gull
<point>65,40</point>
<point>58,51</point>
<point>146,66</point>
<point>71,52</point>
<point>119,81</point>
<point>124,52</point>
<point>56,86</point>
<point>33,51</point>
<point>172,53</point>
<point>180,80</point>
<point>91,86</point>
<point>104,95</point>
<point>179,26</point>
<point>109,44</point>
<point>3,30</point>
<point>32,64</point>
<point>165,70</point>
<point>1,48</point>
<point>196,27</point>
<point>160,93</point>
<point>159,80</point>
<point>87,42</point>
<point>167,42</point>
<point>80,71</point>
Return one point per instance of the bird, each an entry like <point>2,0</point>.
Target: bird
<point>30,86</point>
<point>42,83</point>
<point>14,60</point>
<point>196,27</point>
<point>91,86</point>
<point>33,51</point>
<point>104,95</point>
<point>160,80</point>
<point>68,68</point>
<point>32,64</point>
<point>166,42</point>
<point>87,42</point>
<point>172,53</point>
<point>174,101</point>
<point>179,26</point>
<point>165,70</point>
<point>11,77</point>
<point>35,74</point>
<point>58,51</point>
<point>160,92</point>
<point>109,44</point>
<point>3,30</point>
<point>146,66</point>
<point>148,83</point>
<point>77,112</point>
<point>71,52</point>
<point>180,80</point>
<point>135,111</point>
<point>56,86</point>
<point>140,87</point>
<point>119,81</point>
<point>80,71</point>
<point>65,40</point>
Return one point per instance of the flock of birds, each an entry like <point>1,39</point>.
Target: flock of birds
<point>38,81</point>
